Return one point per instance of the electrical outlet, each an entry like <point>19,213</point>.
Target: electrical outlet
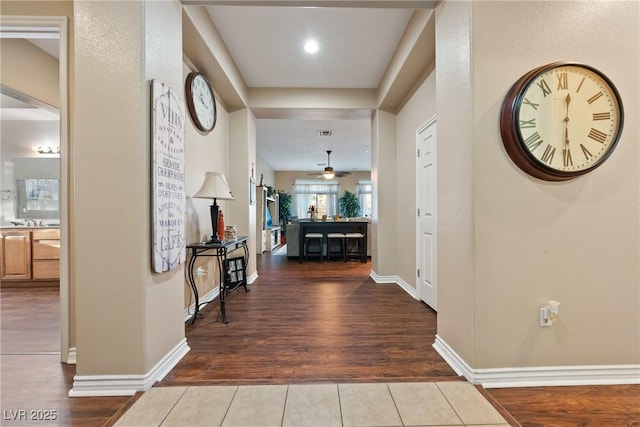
<point>545,317</point>
<point>200,272</point>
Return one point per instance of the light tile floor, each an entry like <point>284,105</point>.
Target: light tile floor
<point>316,405</point>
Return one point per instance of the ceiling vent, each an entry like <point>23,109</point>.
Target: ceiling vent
<point>325,132</point>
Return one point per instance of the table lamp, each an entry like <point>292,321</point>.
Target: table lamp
<point>214,187</point>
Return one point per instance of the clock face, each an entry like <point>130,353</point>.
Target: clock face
<point>561,120</point>
<point>201,102</point>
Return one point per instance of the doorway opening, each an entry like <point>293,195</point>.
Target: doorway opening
<point>50,34</point>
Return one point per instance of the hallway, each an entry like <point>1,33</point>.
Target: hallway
<point>312,322</point>
<point>365,333</point>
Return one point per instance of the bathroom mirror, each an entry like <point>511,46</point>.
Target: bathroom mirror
<point>38,198</point>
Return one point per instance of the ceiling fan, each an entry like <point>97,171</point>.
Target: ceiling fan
<point>328,172</point>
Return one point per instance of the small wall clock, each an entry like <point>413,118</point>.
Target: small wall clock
<point>201,102</point>
<point>561,120</point>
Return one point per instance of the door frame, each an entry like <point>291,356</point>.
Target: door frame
<point>39,26</point>
<point>419,188</point>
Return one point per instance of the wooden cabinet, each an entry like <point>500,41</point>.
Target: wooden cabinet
<point>46,254</point>
<point>15,253</point>
<point>30,254</point>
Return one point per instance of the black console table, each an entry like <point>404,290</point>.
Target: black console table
<point>228,280</point>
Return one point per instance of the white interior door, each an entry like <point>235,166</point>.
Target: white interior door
<point>426,201</point>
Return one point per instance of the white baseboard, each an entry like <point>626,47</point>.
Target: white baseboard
<point>127,385</point>
<point>543,376</point>
<point>71,356</point>
<point>395,280</point>
<point>252,277</point>
<point>211,295</point>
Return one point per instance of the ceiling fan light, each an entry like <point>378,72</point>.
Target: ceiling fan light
<point>328,175</point>
<point>311,46</point>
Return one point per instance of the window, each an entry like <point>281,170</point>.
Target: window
<point>323,196</point>
<point>363,191</point>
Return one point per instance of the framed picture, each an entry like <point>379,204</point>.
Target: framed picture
<point>252,191</point>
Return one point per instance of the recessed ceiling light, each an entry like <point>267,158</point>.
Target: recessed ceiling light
<point>311,46</point>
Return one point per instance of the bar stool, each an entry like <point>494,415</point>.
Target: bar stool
<point>355,246</point>
<point>339,237</point>
<point>311,238</point>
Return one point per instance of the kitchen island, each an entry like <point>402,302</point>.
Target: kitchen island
<point>297,230</point>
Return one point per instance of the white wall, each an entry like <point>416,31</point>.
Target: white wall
<point>264,173</point>
<point>509,242</point>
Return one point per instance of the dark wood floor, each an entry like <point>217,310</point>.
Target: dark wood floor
<point>313,322</point>
<point>317,322</point>
<point>31,375</point>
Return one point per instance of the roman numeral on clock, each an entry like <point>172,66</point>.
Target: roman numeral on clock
<point>601,116</point>
<point>566,158</point>
<point>594,98</point>
<point>596,135</point>
<point>530,104</point>
<point>562,81</point>
<point>547,156</point>
<point>533,141</point>
<point>546,90</point>
<point>524,124</point>
<point>587,154</point>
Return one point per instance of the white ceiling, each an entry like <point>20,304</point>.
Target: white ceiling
<point>356,45</point>
<point>266,43</point>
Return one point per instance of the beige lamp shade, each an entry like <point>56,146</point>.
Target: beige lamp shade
<point>214,187</point>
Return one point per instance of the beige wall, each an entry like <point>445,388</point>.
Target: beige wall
<point>413,115</point>
<point>29,70</point>
<point>127,312</point>
<point>242,156</point>
<point>509,242</point>
<point>455,178</point>
<point>203,153</point>
<point>385,193</point>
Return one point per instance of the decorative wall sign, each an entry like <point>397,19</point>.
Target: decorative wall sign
<point>169,199</point>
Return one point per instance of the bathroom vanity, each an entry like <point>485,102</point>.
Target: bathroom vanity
<point>29,255</point>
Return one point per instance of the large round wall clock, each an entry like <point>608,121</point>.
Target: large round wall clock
<point>561,120</point>
<point>201,102</point>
